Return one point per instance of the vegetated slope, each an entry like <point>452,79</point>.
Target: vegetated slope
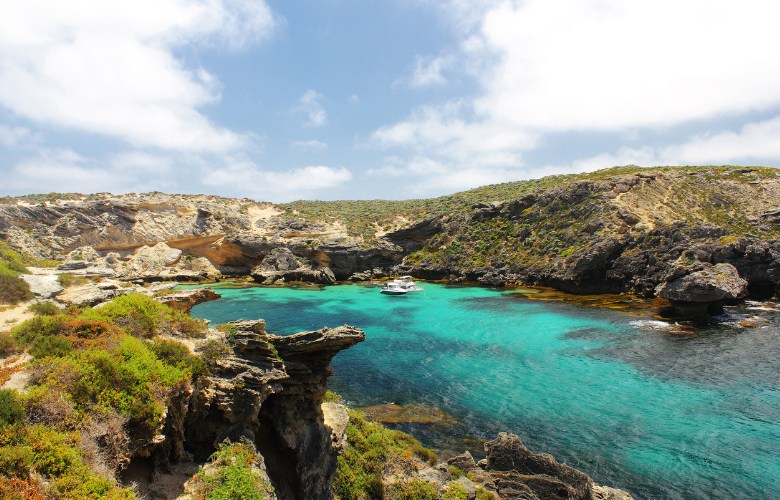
<point>617,229</point>
<point>622,229</point>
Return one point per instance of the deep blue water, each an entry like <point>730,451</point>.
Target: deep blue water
<point>619,397</point>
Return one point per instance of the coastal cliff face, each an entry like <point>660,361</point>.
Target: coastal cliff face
<point>266,391</point>
<point>617,230</point>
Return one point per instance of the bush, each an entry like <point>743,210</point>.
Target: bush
<point>55,346</point>
<point>36,328</point>
<point>8,345</point>
<point>177,354</point>
<point>46,308</point>
<point>232,475</point>
<point>144,317</point>
<point>455,491</point>
<point>36,449</point>
<point>415,489</point>
<point>214,350</point>
<point>371,447</point>
<point>11,410</point>
<point>68,280</point>
<point>13,289</point>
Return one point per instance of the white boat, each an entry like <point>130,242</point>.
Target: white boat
<point>408,285</point>
<point>393,288</point>
<point>400,286</point>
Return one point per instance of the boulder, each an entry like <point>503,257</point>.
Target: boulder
<point>185,300</point>
<point>44,286</point>
<point>702,293</point>
<point>281,265</point>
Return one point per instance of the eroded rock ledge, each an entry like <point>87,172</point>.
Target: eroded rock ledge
<point>267,390</point>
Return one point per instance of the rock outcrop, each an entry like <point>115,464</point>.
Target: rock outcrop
<point>185,300</point>
<point>704,292</point>
<point>281,265</point>
<point>514,472</point>
<point>268,391</point>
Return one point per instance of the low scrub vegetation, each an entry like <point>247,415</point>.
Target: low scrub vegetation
<point>372,449</point>
<point>232,474</point>
<point>99,376</point>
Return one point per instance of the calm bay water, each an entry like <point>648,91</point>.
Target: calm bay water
<point>619,397</point>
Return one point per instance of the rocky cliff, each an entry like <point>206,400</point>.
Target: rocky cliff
<point>265,390</point>
<point>618,230</point>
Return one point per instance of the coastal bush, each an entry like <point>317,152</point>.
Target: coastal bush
<point>11,409</point>
<point>214,350</point>
<point>33,451</point>
<point>455,491</point>
<point>142,316</point>
<point>231,475</point>
<point>13,289</point>
<point>68,280</point>
<point>8,345</point>
<point>483,494</point>
<point>45,308</point>
<point>415,489</point>
<point>371,448</point>
<point>177,354</point>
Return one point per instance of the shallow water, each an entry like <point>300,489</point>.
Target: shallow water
<point>625,399</point>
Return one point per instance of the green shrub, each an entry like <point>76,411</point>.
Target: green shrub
<point>177,354</point>
<point>214,350</point>
<point>56,346</point>
<point>483,494</point>
<point>233,475</point>
<point>142,316</point>
<point>11,409</point>
<point>36,328</point>
<point>55,455</point>
<point>46,308</point>
<point>455,491</point>
<point>68,280</point>
<point>371,447</point>
<point>332,397</point>
<point>13,289</point>
<point>415,489</point>
<point>8,345</point>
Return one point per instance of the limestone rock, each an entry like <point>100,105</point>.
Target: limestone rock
<point>713,283</point>
<point>281,265</point>
<point>44,286</point>
<point>185,300</point>
<point>91,294</point>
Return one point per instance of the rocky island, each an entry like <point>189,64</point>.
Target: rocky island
<point>134,391</point>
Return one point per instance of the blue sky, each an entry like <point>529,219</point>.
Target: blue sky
<point>278,100</point>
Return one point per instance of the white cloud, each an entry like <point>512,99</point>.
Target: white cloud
<point>246,178</point>
<point>312,145</point>
<point>428,71</point>
<point>545,67</point>
<point>610,64</point>
<point>63,170</point>
<point>309,105</point>
<point>110,67</point>
<point>759,141</point>
<point>354,99</point>
<point>17,137</point>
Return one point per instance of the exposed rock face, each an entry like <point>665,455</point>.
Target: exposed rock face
<point>280,265</point>
<point>44,286</point>
<point>91,294</point>
<point>704,292</point>
<point>273,400</point>
<point>185,300</point>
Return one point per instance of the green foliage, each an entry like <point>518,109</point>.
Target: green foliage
<point>232,475</point>
<point>177,354</point>
<point>8,345</point>
<point>455,491</point>
<point>371,447</point>
<point>483,494</point>
<point>214,350</point>
<point>13,289</point>
<point>45,308</point>
<point>11,410</point>
<point>332,397</point>
<point>455,472</point>
<point>53,345</point>
<point>416,489</point>
<point>144,317</point>
<point>68,280</point>
<point>39,450</point>
<point>37,328</point>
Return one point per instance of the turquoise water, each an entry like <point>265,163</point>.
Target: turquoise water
<point>634,406</point>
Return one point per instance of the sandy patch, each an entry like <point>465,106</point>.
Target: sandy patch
<point>11,317</point>
<point>263,212</point>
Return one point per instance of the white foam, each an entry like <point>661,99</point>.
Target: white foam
<point>652,324</point>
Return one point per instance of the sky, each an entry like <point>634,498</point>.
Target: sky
<point>278,100</point>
